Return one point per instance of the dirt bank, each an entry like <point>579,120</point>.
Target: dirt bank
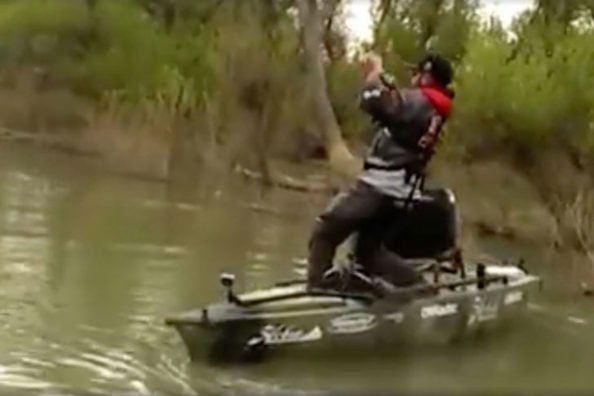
<point>493,197</point>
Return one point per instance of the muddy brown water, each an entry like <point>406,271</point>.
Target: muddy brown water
<point>91,263</point>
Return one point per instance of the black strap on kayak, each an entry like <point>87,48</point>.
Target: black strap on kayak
<point>419,182</point>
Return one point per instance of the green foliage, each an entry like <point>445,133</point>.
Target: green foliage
<point>241,60</point>
<point>408,28</point>
<point>529,100</point>
<point>113,47</point>
<point>344,79</point>
<point>129,52</point>
<point>518,96</point>
<point>41,31</point>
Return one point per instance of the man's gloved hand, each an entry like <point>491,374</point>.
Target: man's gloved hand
<point>427,142</point>
<point>388,80</point>
<point>372,67</point>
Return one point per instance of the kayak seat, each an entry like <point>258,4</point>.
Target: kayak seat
<point>444,261</point>
<point>353,278</point>
<point>427,229</point>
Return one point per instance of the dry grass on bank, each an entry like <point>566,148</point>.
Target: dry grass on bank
<point>30,103</point>
<point>495,199</point>
<point>578,220</point>
<point>136,145</point>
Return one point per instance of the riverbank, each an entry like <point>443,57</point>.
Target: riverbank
<point>494,198</point>
<point>496,201</point>
<point>178,94</point>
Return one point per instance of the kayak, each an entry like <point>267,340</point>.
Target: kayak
<point>257,324</point>
<point>355,308</point>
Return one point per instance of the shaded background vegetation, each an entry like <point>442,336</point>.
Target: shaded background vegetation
<point>519,91</point>
<point>223,83</point>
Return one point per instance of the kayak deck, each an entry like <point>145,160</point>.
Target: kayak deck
<point>288,314</point>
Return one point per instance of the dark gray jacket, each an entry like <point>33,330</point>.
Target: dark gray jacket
<point>399,125</point>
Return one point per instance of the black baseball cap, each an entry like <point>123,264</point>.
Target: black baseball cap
<point>438,67</point>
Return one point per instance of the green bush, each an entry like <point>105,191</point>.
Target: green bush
<point>115,47</point>
<point>526,100</point>
<point>129,54</point>
<point>41,30</point>
<point>242,59</point>
<point>344,82</point>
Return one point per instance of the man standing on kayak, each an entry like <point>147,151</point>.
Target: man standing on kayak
<point>407,122</point>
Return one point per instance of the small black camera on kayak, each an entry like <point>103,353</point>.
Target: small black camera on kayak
<point>227,281</point>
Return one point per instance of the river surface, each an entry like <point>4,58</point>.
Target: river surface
<point>91,263</point>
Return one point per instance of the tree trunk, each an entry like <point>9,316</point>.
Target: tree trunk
<point>340,158</point>
<point>328,34</point>
<point>332,38</point>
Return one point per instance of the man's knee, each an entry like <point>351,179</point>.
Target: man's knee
<point>390,266</point>
<point>328,228</point>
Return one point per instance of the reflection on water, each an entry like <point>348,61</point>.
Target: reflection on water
<point>91,263</point>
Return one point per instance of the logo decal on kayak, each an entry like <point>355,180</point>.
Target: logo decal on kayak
<point>434,311</point>
<point>513,297</point>
<point>281,334</point>
<point>396,317</point>
<point>485,308</point>
<point>352,323</point>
